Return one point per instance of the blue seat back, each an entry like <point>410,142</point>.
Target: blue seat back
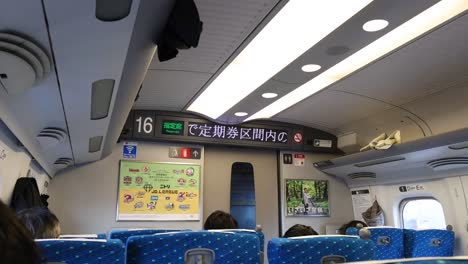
<point>388,242</point>
<point>429,243</point>
<point>260,235</point>
<point>123,235</point>
<point>81,251</point>
<point>313,249</point>
<point>408,242</point>
<point>352,231</point>
<point>164,248</point>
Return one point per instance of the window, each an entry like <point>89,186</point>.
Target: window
<point>422,213</point>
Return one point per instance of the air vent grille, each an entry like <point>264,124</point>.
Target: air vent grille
<point>378,161</point>
<point>22,63</point>
<point>51,136</point>
<point>64,161</point>
<point>362,175</point>
<point>448,163</point>
<point>323,164</point>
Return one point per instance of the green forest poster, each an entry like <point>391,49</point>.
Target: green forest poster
<point>307,198</point>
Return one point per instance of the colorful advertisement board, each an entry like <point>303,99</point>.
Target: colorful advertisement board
<point>306,197</point>
<point>158,191</point>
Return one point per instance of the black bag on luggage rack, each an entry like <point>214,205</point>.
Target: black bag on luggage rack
<point>25,195</point>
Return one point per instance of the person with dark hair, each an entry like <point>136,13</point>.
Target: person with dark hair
<point>300,230</point>
<point>41,222</point>
<point>16,243</point>
<point>352,223</point>
<point>220,220</point>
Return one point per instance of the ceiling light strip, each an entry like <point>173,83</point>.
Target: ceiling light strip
<point>420,24</point>
<point>299,25</point>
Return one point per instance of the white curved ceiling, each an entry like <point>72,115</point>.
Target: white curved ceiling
<point>399,87</point>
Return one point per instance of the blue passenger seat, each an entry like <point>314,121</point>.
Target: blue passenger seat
<point>429,243</point>
<point>388,242</point>
<point>165,248</point>
<point>259,233</point>
<point>319,249</point>
<point>123,235</point>
<point>80,251</point>
<point>352,231</point>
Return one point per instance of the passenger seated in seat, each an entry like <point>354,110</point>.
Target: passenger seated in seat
<point>41,222</point>
<point>353,223</point>
<point>300,230</point>
<point>220,220</point>
<point>16,243</point>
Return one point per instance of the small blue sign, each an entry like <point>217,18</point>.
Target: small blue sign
<point>129,150</point>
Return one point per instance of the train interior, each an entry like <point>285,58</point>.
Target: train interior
<point>277,112</point>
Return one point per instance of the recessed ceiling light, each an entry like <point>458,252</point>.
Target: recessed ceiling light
<point>241,114</point>
<point>418,25</point>
<point>311,68</point>
<point>269,95</point>
<point>375,25</point>
<point>286,37</point>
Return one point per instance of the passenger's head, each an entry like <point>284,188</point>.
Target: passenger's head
<point>353,223</point>
<point>41,222</point>
<point>220,220</point>
<point>300,230</point>
<point>16,243</point>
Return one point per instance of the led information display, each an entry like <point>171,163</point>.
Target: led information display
<point>207,130</point>
<point>149,125</point>
<point>171,127</point>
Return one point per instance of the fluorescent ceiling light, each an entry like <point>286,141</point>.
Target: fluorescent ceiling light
<point>241,114</point>
<point>375,25</point>
<point>269,95</point>
<point>298,26</point>
<point>311,68</point>
<point>418,25</point>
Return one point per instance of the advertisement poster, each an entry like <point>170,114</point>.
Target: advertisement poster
<point>307,198</point>
<point>158,191</point>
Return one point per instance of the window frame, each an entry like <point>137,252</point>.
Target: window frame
<point>405,201</point>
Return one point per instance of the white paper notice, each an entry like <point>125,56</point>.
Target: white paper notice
<point>361,202</point>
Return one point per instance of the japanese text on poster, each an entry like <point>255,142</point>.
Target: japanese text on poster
<point>158,191</point>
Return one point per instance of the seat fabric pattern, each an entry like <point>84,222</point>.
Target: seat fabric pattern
<point>433,243</point>
<point>123,235</point>
<point>170,248</point>
<point>312,249</point>
<point>82,251</point>
<point>391,250</point>
<point>408,244</point>
<point>352,231</point>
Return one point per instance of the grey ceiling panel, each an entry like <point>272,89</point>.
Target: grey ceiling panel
<point>332,109</point>
<point>445,110</point>
<point>430,64</point>
<point>340,44</point>
<point>226,24</point>
<point>169,90</point>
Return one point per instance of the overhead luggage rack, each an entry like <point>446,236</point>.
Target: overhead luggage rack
<point>439,156</point>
